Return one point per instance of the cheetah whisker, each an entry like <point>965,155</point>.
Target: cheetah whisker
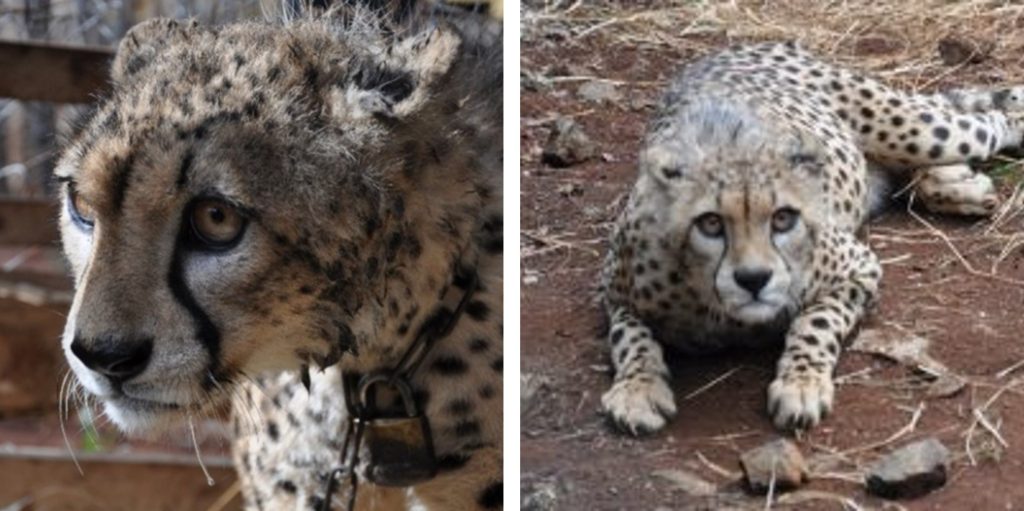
<point>199,457</point>
<point>62,413</point>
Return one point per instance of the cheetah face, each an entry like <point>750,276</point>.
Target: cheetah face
<point>222,216</point>
<point>756,243</point>
<point>743,216</point>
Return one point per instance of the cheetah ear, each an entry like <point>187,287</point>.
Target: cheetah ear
<point>805,153</point>
<point>662,165</point>
<point>145,42</point>
<point>400,80</point>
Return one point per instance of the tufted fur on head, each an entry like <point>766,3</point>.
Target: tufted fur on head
<point>362,155</point>
<point>718,159</point>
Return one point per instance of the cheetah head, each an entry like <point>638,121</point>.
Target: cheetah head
<point>740,207</point>
<point>245,197</point>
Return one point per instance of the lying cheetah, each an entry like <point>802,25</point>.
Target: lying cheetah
<point>740,230</point>
<point>257,199</point>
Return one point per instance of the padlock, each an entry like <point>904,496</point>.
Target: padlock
<point>399,448</point>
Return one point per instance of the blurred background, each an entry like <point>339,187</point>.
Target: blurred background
<point>53,61</point>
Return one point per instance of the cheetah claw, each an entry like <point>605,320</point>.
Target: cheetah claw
<point>799,401</point>
<point>640,405</point>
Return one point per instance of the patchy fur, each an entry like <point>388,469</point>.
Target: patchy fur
<point>364,157</point>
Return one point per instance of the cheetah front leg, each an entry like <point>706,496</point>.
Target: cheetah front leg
<point>802,393</point>
<point>640,400</point>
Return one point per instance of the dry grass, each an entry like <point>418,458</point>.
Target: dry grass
<point>895,40</point>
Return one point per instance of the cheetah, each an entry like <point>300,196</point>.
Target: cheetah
<point>271,215</point>
<point>756,173</point>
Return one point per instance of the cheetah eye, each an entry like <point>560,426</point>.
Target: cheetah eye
<point>81,210</point>
<point>215,224</point>
<point>710,225</point>
<point>784,219</point>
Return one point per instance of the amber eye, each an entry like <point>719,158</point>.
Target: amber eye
<point>215,223</point>
<point>81,211</point>
<point>710,225</point>
<point>784,219</point>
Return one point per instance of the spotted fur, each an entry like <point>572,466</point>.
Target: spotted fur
<point>363,152</point>
<point>740,230</point>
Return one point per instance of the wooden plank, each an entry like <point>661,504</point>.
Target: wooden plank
<point>28,222</point>
<point>47,72</point>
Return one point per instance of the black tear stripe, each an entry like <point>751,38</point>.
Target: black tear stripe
<point>491,496</point>
<point>206,331</point>
<point>122,178</point>
<point>183,171</point>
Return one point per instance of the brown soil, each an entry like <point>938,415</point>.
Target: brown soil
<point>973,321</point>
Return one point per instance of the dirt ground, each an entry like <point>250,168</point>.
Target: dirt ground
<point>969,310</point>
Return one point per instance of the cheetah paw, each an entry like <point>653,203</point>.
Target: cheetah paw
<point>958,190</point>
<point>799,401</point>
<point>640,405</point>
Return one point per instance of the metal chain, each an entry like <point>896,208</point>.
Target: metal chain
<point>404,370</point>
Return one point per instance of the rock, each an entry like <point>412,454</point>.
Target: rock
<point>532,82</point>
<point>956,51</point>
<point>529,385</point>
<point>779,457</point>
<point>538,496</point>
<point>570,190</point>
<point>567,144</point>
<point>640,104</point>
<point>567,69</point>
<point>598,92</point>
<point>687,481</point>
<point>910,471</point>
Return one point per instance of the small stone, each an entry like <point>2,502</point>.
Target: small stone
<point>570,190</point>
<point>532,82</point>
<point>567,144</point>
<point>539,496</point>
<point>598,92</point>
<point>567,69</point>
<point>557,33</point>
<point>529,385</point>
<point>779,457</point>
<point>640,104</point>
<point>690,483</point>
<point>910,471</point>
<point>956,51</point>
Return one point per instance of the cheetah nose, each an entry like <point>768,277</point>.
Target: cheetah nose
<point>118,359</point>
<point>753,280</point>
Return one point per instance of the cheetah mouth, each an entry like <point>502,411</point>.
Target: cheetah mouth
<point>144,405</point>
<point>758,311</point>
